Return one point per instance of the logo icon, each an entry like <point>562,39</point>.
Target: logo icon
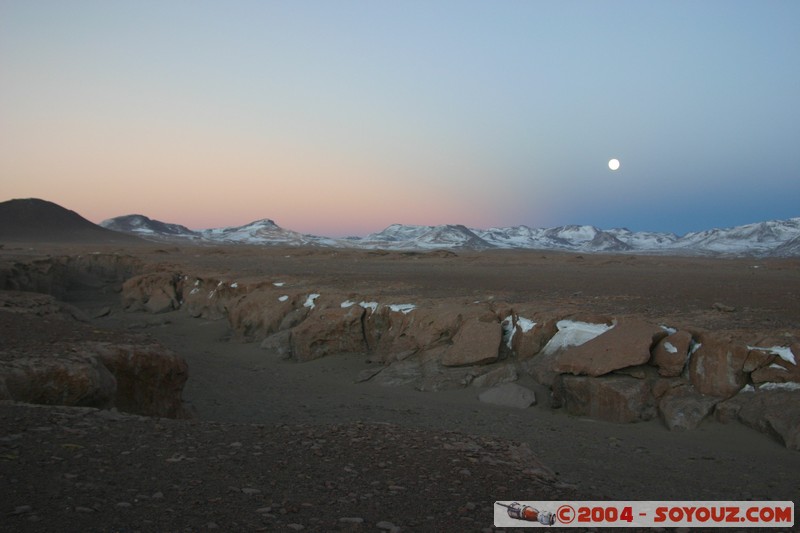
<point>527,513</point>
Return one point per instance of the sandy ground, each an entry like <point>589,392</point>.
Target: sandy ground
<point>241,383</point>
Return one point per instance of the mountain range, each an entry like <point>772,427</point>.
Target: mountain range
<point>770,238</point>
<point>40,220</point>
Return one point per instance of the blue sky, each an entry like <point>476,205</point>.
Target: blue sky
<point>342,117</point>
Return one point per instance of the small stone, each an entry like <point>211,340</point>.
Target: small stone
<point>84,509</point>
<point>158,495</point>
<point>384,525</point>
<point>264,510</point>
<point>296,527</point>
<point>250,491</point>
<point>352,520</point>
<point>212,525</point>
<point>22,509</point>
<point>123,504</point>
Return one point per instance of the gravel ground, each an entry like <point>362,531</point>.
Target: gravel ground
<point>80,469</point>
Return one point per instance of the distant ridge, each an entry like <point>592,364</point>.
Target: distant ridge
<point>775,238</point>
<point>143,226</point>
<point>35,220</point>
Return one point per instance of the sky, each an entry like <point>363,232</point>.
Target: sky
<point>341,117</point>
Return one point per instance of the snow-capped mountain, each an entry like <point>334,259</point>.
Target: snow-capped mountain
<point>398,236</point>
<point>790,248</point>
<point>575,238</point>
<point>257,232</point>
<point>757,238</point>
<point>146,227</point>
<point>776,237</point>
<point>261,232</point>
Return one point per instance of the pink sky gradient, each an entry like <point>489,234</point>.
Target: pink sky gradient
<point>340,118</point>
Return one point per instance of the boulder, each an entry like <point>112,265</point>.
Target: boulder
<point>773,411</point>
<point>392,335</point>
<point>477,342</point>
<point>509,395</point>
<point>501,374</point>
<point>149,377</point>
<point>329,331</point>
<point>59,379</point>
<point>716,366</point>
<point>628,343</point>
<point>612,398</point>
<point>209,297</point>
<point>684,408</point>
<point>264,311</point>
<point>529,335</point>
<point>279,344</point>
<point>671,353</point>
<point>155,292</point>
<point>773,361</point>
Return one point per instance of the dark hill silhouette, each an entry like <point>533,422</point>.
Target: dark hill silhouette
<point>35,220</point>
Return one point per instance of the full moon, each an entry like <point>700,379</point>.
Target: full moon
<point>613,164</point>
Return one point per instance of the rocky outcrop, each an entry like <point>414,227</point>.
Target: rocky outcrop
<point>149,377</point>
<point>620,369</point>
<point>476,342</point>
<point>58,380</point>
<point>628,343</point>
<point>771,410</point>
<point>157,292</point>
<point>57,276</point>
<point>716,368</point>
<point>260,312</point>
<point>683,408</point>
<point>208,297</point>
<point>671,353</point>
<point>46,357</point>
<point>619,399</point>
<point>392,334</point>
<point>327,331</point>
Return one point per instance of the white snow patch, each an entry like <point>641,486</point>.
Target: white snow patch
<point>668,346</point>
<point>310,300</point>
<point>197,283</point>
<point>369,305</point>
<point>279,283</point>
<point>234,285</point>
<point>669,330</point>
<point>402,308</point>
<point>211,294</point>
<point>509,328</point>
<point>347,303</point>
<point>525,324</point>
<point>784,352</point>
<point>573,333</point>
<point>780,386</point>
<point>194,291</point>
<point>747,388</point>
<point>283,298</point>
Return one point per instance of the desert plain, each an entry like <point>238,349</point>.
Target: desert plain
<point>275,436</point>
